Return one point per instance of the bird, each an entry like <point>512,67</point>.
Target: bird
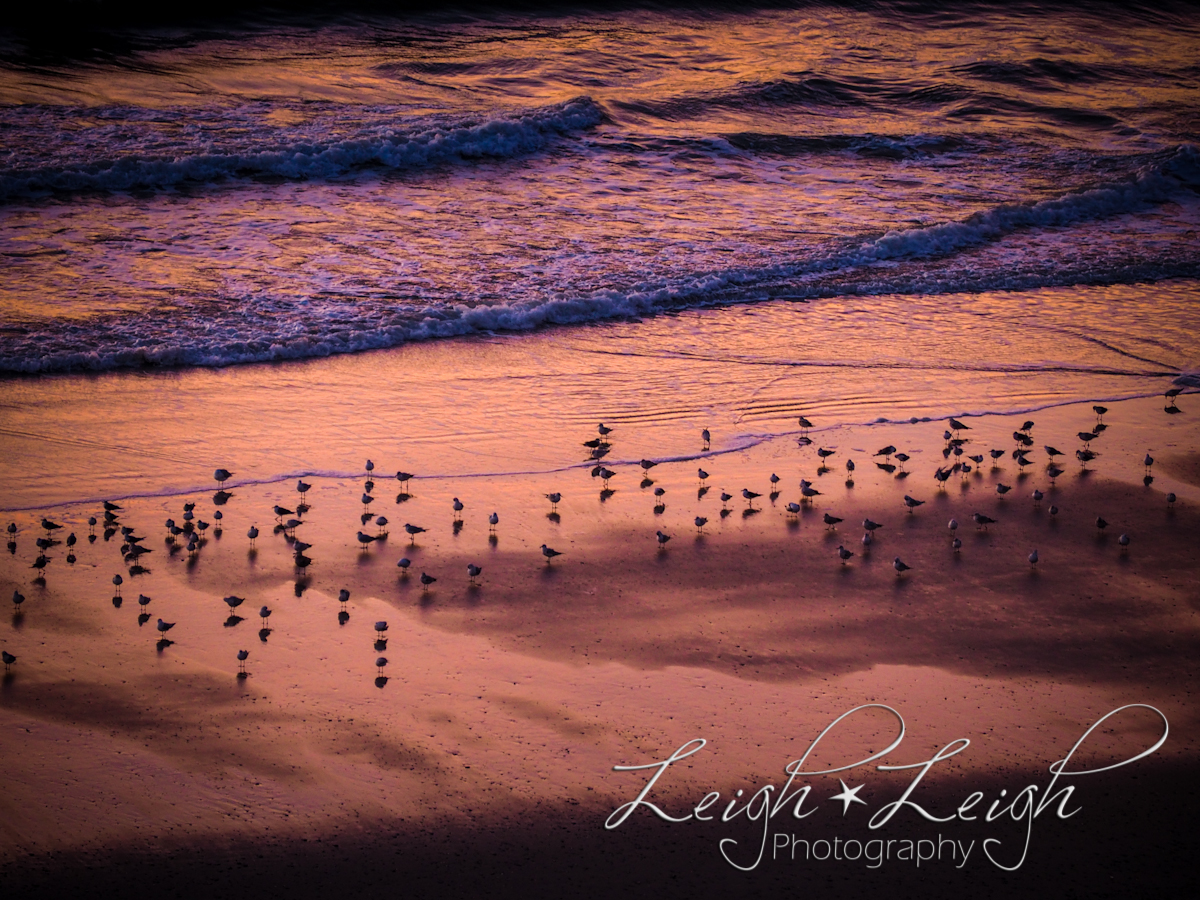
<point>805,424</point>
<point>301,546</point>
<point>458,508</point>
<point>292,524</point>
<point>50,526</point>
<point>1100,411</point>
<point>12,527</point>
<point>8,659</point>
<point>234,602</point>
<point>1003,489</point>
<point>222,475</point>
<point>164,627</point>
<point>1085,456</point>
<point>301,561</point>
<point>71,539</point>
<point>143,600</point>
<point>1054,472</point>
<point>1100,523</point>
<point>553,498</point>
<point>281,511</point>
<point>959,426</point>
<point>603,429</point>
<point>473,571</point>
<point>1123,540</point>
<point>1052,451</point>
<point>404,563</point>
<point>850,467</point>
<point>900,566</point>
<point>302,488</point>
<point>549,553</point>
<point>956,544</point>
<point>252,534</point>
<point>413,531</point>
<point>1028,426</point>
<point>659,491</point>
<point>825,454</point>
<point>831,521</point>
<point>117,581</point>
<point>493,521</point>
<point>426,581</point>
<point>774,479</point>
<point>807,491</point>
<point>242,655</point>
<point>701,474</point>
<point>902,458</point>
<point>870,525</point>
<point>844,554</point>
<point>793,509</point>
<point>1171,499</point>
<point>1033,558</point>
<point>982,521</point>
<point>1148,462</point>
<point>380,665</point>
<point>867,540</point>
<point>996,454</point>
<point>109,506</point>
<point>1086,436</point>
<point>264,613</point>
<point>365,539</point>
<point>403,477</point>
<point>18,599</point>
<point>885,451</point>
<point>381,523</point>
<point>700,523</point>
<point>912,503</point>
<point>1172,393</point>
<point>725,498</point>
<point>648,464</point>
<point>942,476</point>
<point>380,628</point>
<point>370,467</point>
<point>343,596</point>
<point>750,495</point>
<point>662,539</point>
<point>367,500</point>
<point>1037,496</point>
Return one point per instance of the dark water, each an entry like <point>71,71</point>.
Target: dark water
<point>309,185</point>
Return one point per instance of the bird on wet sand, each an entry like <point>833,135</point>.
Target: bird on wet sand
<point>370,467</point>
<point>1033,558</point>
<point>553,498</point>
<point>1123,540</point>
<point>885,452</point>
<point>870,525</point>
<point>549,553</point>
<point>426,581</point>
<point>831,521</point>
<point>700,523</point>
<point>1100,523</point>
<point>164,627</point>
<point>824,454</point>
<point>1037,497</point>
<point>302,488</point>
<point>1052,451</point>
<point>493,521</point>
<point>750,496</point>
<point>117,581</point>
<point>458,508</point>
<point>1003,489</point>
<point>1171,499</point>
<point>18,599</point>
<point>473,572</point>
<point>900,566</point>
<point>365,539</point>
<point>413,531</point>
<point>343,596</point>
<point>603,429</point>
<point>844,554</point>
<point>7,658</point>
<point>281,511</point>
<point>793,509</point>
<point>959,426</point>
<point>662,539</point>
<point>252,534</point>
<point>1053,510</point>
<point>242,656</point>
<point>701,474</point>
<point>774,479</point>
<point>956,544</point>
<point>234,602</point>
<point>1148,462</point>
<point>867,540</point>
<point>725,498</point>
<point>221,476</point>
<point>1100,411</point>
<point>912,503</point>
<point>706,438</point>
<point>264,613</point>
<point>982,521</point>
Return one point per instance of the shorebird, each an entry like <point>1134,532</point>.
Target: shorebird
<point>707,438</point>
<point>849,468</point>
<point>912,503</point>
<point>370,467</point>
<point>902,458</point>
<point>774,479</point>
<point>365,539</point>
<point>943,475</point>
<point>221,476</point>
<point>603,429</point>
<point>831,521</point>
<point>242,656</point>
<point>343,596</point>
<point>793,509</point>
<point>1033,558</point>
<point>605,474</point>
<point>701,522</point>
<point>1052,451</point>
<point>844,554</point>
<point>702,475</point>
<point>117,581</point>
<point>1100,523</point>
<point>413,531</point>
<point>1054,472</point>
<point>164,627</point>
<point>458,508</point>
<point>302,488</point>
<point>867,540</point>
<point>291,525</point>
<point>662,539</point>
<point>234,602</point>
<point>380,629</point>
<point>648,464</point>
<point>885,452</point>
<point>750,495</point>
<point>1003,489</point>
<point>1037,497</point>
<point>824,454</point>
<point>549,553</point>
<point>473,571</point>
<point>301,561</point>
<point>50,526</point>
<point>805,424</point>
<point>1085,456</point>
<point>493,521</point>
<point>71,539</point>
<point>1171,499</point>
<point>367,500</point>
<point>301,546</point>
<point>959,426</point>
<point>18,599</point>
<point>870,525</point>
<point>900,566</point>
<point>426,581</point>
<point>1086,436</point>
<point>807,492</point>
<point>264,613</point>
<point>281,511</point>
<point>956,544</point>
<point>8,659</point>
<point>1148,462</point>
<point>725,498</point>
<point>658,493</point>
<point>1123,540</point>
<point>403,478</point>
<point>381,523</point>
<point>109,506</point>
<point>553,498</point>
<point>404,563</point>
<point>1028,426</point>
<point>982,521</point>
<point>1053,510</point>
<point>1099,411</point>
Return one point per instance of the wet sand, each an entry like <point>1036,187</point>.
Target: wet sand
<point>485,758</point>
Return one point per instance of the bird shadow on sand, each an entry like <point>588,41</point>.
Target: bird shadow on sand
<point>232,621</point>
<point>381,681</point>
<point>263,634</point>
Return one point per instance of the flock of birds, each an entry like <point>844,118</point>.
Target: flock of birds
<point>191,531</point>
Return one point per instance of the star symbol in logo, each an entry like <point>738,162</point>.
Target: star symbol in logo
<point>848,796</point>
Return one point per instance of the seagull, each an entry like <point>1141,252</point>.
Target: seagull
<point>549,553</point>
<point>942,476</point>
<point>302,561</point>
<point>885,451</point>
<point>750,495</point>
<point>1123,540</point>
<point>658,492</point>
<point>300,546</point>
<point>8,659</point>
<point>264,613</point>
<point>164,627</point>
<point>404,563</point>
<point>648,464</point>
<point>403,477</point>
<point>959,426</point>
<point>603,429</point>
<point>1172,393</point>
<point>380,629</point>
<point>493,521</point>
<point>956,544</point>
<point>900,566</point>
<point>867,540</point>
<point>473,571</point>
<point>706,437</point>
<point>850,468</point>
<point>1037,497</point>
<point>370,467</point>
<point>807,492</point>
<point>1033,558</point>
<point>553,498</point>
<point>902,458</point>
<point>805,424</point>
<point>1028,426</point>
<point>1085,456</point>
<point>1100,523</point>
<point>871,526</point>
<point>702,475</point>
<point>111,507</point>
<point>725,498</point>
<point>222,475</point>
<point>912,503</point>
<point>380,663</point>
<point>825,454</point>
<point>50,526</point>
<point>413,531</point>
<point>1171,499</point>
<point>662,539</point>
<point>1003,489</point>
<point>426,581</point>
<point>701,522</point>
<point>996,454</point>
<point>1148,462</point>
<point>234,602</point>
<point>18,599</point>
<point>774,479</point>
<point>1054,472</point>
<point>982,521</point>
<point>381,523</point>
<point>831,521</point>
<point>458,508</point>
<point>1100,411</point>
<point>117,581</point>
<point>242,656</point>
<point>793,509</point>
<point>292,524</point>
<point>302,488</point>
<point>281,511</point>
<point>12,527</point>
<point>844,554</point>
<point>365,539</point>
<point>343,596</point>
<point>367,500</point>
<point>1086,436</point>
<point>1052,451</point>
<point>71,539</point>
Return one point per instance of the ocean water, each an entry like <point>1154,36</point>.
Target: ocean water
<point>724,218</point>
